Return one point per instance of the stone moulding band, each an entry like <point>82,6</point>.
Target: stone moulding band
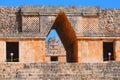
<point>55,14</point>
<point>98,38</point>
<point>21,38</point>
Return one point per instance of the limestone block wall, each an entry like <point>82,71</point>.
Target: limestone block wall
<point>47,59</point>
<point>62,59</point>
<point>2,51</point>
<point>32,50</point>
<point>37,21</point>
<point>8,19</point>
<point>117,50</point>
<point>90,51</point>
<point>60,71</point>
<point>109,22</point>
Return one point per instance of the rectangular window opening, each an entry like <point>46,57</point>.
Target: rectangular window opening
<point>108,51</point>
<point>54,58</point>
<point>12,51</point>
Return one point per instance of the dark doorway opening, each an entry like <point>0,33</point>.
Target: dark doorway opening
<point>54,58</point>
<point>12,51</point>
<point>108,51</point>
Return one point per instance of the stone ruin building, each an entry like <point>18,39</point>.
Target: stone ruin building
<point>55,50</point>
<point>90,36</point>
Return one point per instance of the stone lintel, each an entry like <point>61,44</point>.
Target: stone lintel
<point>23,35</point>
<point>49,14</point>
<point>55,14</point>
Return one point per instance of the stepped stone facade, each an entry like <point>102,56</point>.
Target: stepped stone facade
<point>60,71</point>
<point>90,37</point>
<point>84,31</point>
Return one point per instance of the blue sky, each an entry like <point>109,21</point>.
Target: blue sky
<point>100,3</point>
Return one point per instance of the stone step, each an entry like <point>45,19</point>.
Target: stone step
<point>59,71</point>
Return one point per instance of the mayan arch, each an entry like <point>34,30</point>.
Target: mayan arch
<point>67,36</point>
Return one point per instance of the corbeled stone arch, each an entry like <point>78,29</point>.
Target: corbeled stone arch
<point>67,36</point>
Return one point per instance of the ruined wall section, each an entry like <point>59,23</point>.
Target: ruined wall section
<point>109,22</point>
<point>60,71</point>
<point>48,14</point>
<point>86,21</point>
<point>32,50</point>
<point>8,20</point>
<point>90,51</point>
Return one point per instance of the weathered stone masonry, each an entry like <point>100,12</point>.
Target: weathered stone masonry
<point>60,71</point>
<point>87,33</point>
<point>82,30</point>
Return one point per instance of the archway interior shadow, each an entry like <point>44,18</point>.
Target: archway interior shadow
<point>67,36</point>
